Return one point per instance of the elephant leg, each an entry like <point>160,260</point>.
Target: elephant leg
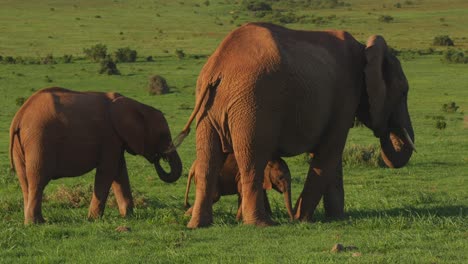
<point>21,173</point>
<point>310,196</point>
<point>333,199</point>
<point>102,183</point>
<point>122,190</point>
<point>37,178</point>
<point>210,160</point>
<point>239,207</point>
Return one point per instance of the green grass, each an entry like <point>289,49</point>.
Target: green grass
<point>417,214</point>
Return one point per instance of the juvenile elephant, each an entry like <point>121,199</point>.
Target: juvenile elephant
<point>268,91</point>
<point>61,133</point>
<point>276,176</point>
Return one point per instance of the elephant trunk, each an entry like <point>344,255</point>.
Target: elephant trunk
<point>176,167</point>
<point>397,144</point>
<point>287,202</point>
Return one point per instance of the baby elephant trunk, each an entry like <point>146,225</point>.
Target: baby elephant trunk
<point>287,202</point>
<point>175,165</point>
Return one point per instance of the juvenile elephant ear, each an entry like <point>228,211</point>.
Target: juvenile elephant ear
<point>376,50</point>
<point>128,122</point>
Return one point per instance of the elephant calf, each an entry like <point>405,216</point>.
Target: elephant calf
<point>61,133</point>
<point>276,176</point>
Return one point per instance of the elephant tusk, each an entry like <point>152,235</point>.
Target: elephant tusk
<point>407,136</point>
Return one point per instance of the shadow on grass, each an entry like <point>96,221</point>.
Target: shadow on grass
<point>410,211</point>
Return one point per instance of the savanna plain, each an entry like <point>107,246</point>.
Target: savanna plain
<point>416,214</point>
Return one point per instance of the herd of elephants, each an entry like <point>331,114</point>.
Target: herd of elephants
<point>266,92</point>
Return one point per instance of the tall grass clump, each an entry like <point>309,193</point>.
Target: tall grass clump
<point>358,155</point>
<point>157,85</point>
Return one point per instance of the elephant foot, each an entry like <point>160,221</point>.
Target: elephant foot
<point>302,213</point>
<point>34,220</point>
<point>197,223</point>
<point>127,213</point>
<point>261,222</point>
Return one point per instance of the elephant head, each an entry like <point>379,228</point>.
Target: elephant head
<point>278,177</point>
<point>144,131</point>
<point>387,111</point>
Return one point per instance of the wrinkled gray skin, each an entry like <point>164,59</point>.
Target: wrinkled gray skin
<point>276,176</point>
<point>62,133</point>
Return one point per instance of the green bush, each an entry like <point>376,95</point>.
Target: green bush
<point>67,58</point>
<point>442,40</point>
<point>253,5</point>
<point>125,55</point>
<point>108,67</point>
<point>48,59</point>
<point>96,53</point>
<point>20,101</point>
<point>385,18</point>
<point>440,124</point>
<point>180,54</point>
<point>454,56</point>
<point>9,60</point>
<point>451,107</point>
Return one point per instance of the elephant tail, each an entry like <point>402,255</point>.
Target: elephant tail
<point>198,104</point>
<point>189,181</point>
<point>14,132</point>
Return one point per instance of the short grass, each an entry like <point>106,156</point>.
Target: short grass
<point>417,214</point>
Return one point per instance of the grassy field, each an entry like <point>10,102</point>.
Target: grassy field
<point>417,214</point>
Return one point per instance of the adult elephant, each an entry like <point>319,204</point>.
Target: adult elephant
<point>268,91</point>
<point>62,133</point>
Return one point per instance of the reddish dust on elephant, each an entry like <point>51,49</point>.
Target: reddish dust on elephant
<point>269,92</point>
<point>61,133</point>
<point>276,176</point>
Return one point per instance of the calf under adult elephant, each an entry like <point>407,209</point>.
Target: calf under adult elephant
<point>268,91</point>
<point>61,133</point>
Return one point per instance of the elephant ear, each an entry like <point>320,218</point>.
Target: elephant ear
<point>267,185</point>
<point>376,50</point>
<point>128,122</point>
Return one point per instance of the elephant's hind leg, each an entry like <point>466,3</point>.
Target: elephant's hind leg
<point>333,199</point>
<point>210,160</point>
<point>122,190</point>
<point>37,180</point>
<point>21,173</point>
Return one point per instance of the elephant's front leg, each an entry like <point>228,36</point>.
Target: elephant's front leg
<point>105,175</point>
<point>333,198</point>
<point>210,160</point>
<point>314,188</point>
<point>122,190</point>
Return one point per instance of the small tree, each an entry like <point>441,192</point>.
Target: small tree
<point>96,53</point>
<point>108,67</point>
<point>125,55</point>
